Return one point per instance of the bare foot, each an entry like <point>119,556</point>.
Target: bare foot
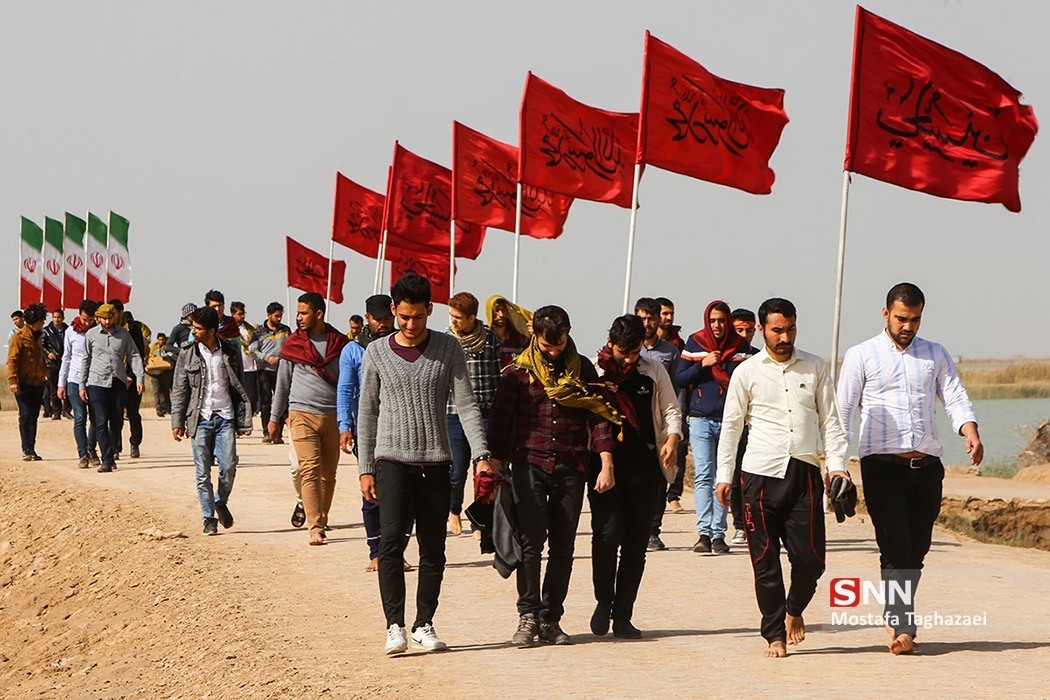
<point>317,538</point>
<point>676,507</point>
<point>455,525</point>
<point>373,566</point>
<point>902,644</point>
<point>796,629</point>
<point>408,567</point>
<point>776,650</point>
<point>477,535</point>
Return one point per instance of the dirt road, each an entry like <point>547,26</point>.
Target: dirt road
<point>97,602</point>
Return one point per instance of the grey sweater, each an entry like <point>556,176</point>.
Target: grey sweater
<point>403,414</point>
<point>301,388</point>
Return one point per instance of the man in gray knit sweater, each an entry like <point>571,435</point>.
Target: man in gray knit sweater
<point>405,455</point>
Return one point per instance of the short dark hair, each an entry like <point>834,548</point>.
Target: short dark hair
<point>664,301</point>
<point>206,317</point>
<point>59,311</point>
<point>550,322</point>
<point>89,307</point>
<point>117,304</point>
<point>237,306</point>
<point>627,332</point>
<point>17,313</point>
<point>312,299</point>
<point>356,318</point>
<point>162,335</point>
<point>744,315</point>
<point>214,295</point>
<point>411,287</point>
<point>35,313</point>
<point>648,305</point>
<point>776,305</point>
<point>907,294</point>
<point>128,317</point>
<point>273,307</point>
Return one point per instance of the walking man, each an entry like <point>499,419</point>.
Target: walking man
<point>210,406</point>
<point>893,381</point>
<point>180,334</point>
<point>405,455</point>
<point>744,326</point>
<point>786,397</point>
<point>54,335</point>
<point>26,375</point>
<point>265,347</point>
<point>227,326</point>
<point>246,330</point>
<point>140,336</point>
<point>70,379</point>
<point>510,324</point>
<point>668,330</point>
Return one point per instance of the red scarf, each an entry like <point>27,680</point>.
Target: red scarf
<point>228,329</point>
<point>729,345</point>
<point>78,326</point>
<point>617,375</point>
<point>298,348</point>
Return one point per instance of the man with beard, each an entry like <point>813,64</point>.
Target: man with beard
<point>510,323</point>
<point>668,330</point>
<point>70,379</point>
<point>54,335</point>
<point>140,335</point>
<point>893,380</point>
<point>26,375</point>
<point>228,327</point>
<point>787,398</point>
<point>265,347</point>
<point>744,326</point>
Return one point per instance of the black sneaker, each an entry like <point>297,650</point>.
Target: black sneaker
<point>27,456</point>
<point>107,468</point>
<point>703,545</point>
<point>34,456</point>
<point>266,440</point>
<point>656,544</point>
<point>225,516</point>
<point>552,633</point>
<point>600,619</point>
<point>68,415</point>
<point>211,526</point>
<point>134,452</point>
<point>623,629</point>
<point>528,628</point>
<point>719,546</point>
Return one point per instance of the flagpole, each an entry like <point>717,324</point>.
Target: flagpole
<point>288,299</point>
<point>452,257</point>
<point>328,291</point>
<point>380,260</point>
<point>630,237</point>
<point>838,282</point>
<point>517,245</point>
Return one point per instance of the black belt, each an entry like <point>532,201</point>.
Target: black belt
<point>913,462</point>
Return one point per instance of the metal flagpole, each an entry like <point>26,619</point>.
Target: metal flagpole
<point>288,299</point>
<point>517,245</point>
<point>838,283</point>
<point>630,237</point>
<point>328,291</point>
<point>380,260</point>
<point>451,257</point>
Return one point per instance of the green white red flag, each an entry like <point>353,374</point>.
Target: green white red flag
<point>74,268</point>
<point>31,267</point>
<point>96,252</point>
<point>52,260</point>
<point>118,274</point>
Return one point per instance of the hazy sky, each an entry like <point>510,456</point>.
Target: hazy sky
<point>217,129</point>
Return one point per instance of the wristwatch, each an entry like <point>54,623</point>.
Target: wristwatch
<point>483,457</point>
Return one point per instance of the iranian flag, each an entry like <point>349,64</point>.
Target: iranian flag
<point>118,280</point>
<point>97,243</point>
<point>32,271</point>
<point>52,263</point>
<point>74,283</point>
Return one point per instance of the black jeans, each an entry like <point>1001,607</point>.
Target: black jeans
<point>548,508</point>
<point>267,384</point>
<point>405,490</point>
<point>57,405</point>
<point>736,497</point>
<point>107,410</point>
<point>903,504</point>
<point>132,406</point>
<point>788,509</point>
<point>162,391</point>
<point>28,399</point>
<point>620,520</point>
<point>673,491</point>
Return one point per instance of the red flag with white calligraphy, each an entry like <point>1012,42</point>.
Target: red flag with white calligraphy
<point>928,118</point>
<point>434,267</point>
<point>575,149</point>
<point>358,219</point>
<point>694,123</point>
<point>308,271</point>
<point>419,209</point>
<point>484,188</point>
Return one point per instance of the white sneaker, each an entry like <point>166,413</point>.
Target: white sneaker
<point>395,640</point>
<point>427,638</point>
<point>738,537</point>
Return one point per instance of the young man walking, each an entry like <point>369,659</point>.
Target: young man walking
<point>265,347</point>
<point>510,324</point>
<point>210,406</point>
<point>227,326</point>
<point>54,336</point>
<point>786,397</point>
<point>622,516</point>
<point>546,420</point>
<point>743,325</point>
<point>405,455</point>
<point>246,331</point>
<point>70,379</point>
<point>140,336</point>
<point>668,330</point>
<point>893,382</point>
<point>26,375</point>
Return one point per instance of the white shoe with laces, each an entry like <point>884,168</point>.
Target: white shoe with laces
<point>739,538</point>
<point>427,638</point>
<point>396,643</point>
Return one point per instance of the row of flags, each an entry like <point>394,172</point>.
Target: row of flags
<point>921,116</point>
<point>68,261</point>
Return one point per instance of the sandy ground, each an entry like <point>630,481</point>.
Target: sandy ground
<point>94,604</point>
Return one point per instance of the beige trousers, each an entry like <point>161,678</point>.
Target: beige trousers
<point>316,439</point>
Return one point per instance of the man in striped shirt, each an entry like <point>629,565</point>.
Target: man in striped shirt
<point>893,381</point>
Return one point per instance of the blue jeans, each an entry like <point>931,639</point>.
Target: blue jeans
<point>460,457</point>
<point>83,432</point>
<point>215,439</point>
<point>703,438</point>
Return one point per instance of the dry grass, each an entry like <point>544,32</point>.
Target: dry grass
<point>1024,381</point>
<point>7,400</point>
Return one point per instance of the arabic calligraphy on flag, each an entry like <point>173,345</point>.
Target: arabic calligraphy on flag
<point>434,267</point>
<point>357,222</point>
<point>928,118</point>
<point>308,271</point>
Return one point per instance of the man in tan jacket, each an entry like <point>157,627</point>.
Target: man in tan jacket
<point>26,375</point>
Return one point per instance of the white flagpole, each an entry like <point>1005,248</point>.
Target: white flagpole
<point>630,237</point>
<point>288,300</point>
<point>838,282</point>
<point>452,257</point>
<point>328,291</point>
<point>517,245</point>
<point>380,264</point>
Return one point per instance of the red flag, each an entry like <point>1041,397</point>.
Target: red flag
<point>419,209</point>
<point>308,271</point>
<point>434,267</point>
<point>694,123</point>
<point>574,149</point>
<point>928,118</point>
<point>358,219</point>
<point>484,188</point>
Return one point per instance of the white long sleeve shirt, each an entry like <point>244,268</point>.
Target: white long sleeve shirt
<point>896,392</point>
<point>788,406</point>
<point>72,358</point>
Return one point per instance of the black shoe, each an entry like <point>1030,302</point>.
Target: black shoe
<point>47,415</point>
<point>34,456</point>
<point>719,546</point>
<point>107,468</point>
<point>116,456</point>
<point>266,440</point>
<point>528,628</point>
<point>27,456</point>
<point>703,545</point>
<point>68,415</point>
<point>552,633</point>
<point>211,526</point>
<point>135,452</point>
<point>600,619</point>
<point>56,416</point>
<point>225,516</point>
<point>623,629</point>
<point>656,544</point>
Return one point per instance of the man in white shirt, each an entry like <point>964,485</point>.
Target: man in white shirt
<point>787,398</point>
<point>894,380</point>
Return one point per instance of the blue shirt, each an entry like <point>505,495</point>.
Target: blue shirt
<point>348,391</point>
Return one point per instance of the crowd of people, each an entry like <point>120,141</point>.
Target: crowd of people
<point>514,407</point>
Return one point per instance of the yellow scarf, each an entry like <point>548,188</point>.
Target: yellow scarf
<point>565,388</point>
<point>518,317</point>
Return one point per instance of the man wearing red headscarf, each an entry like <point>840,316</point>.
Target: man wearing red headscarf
<point>709,358</point>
